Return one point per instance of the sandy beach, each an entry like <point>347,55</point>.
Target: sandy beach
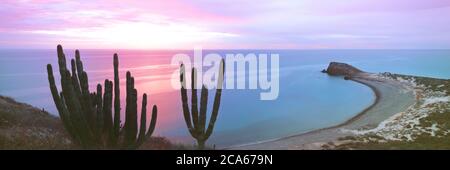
<point>392,97</point>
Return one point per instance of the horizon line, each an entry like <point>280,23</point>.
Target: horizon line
<point>186,49</point>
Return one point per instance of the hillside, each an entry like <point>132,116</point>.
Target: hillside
<point>25,127</point>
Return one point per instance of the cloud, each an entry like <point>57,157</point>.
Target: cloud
<point>140,34</point>
<point>227,23</point>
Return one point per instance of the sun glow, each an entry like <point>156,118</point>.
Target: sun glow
<point>141,35</point>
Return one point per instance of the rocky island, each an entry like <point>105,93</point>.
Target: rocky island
<point>342,69</point>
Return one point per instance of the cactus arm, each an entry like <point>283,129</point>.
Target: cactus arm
<point>84,91</point>
<point>78,63</point>
<point>70,98</point>
<point>99,111</point>
<point>194,100</point>
<point>131,114</point>
<point>66,112</point>
<point>84,83</point>
<point>93,95</point>
<point>203,108</point>
<point>54,91</point>
<point>217,98</point>
<point>116,129</point>
<point>133,127</point>
<point>88,110</point>
<point>59,102</point>
<point>134,112</point>
<point>221,77</point>
<point>128,126</point>
<point>107,113</point>
<point>75,82</point>
<point>152,126</point>
<point>76,135</point>
<point>81,88</point>
<point>128,99</point>
<point>214,113</point>
<point>184,99</point>
<point>128,102</point>
<point>143,126</point>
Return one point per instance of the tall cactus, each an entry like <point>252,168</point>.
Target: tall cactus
<point>88,117</point>
<point>196,126</point>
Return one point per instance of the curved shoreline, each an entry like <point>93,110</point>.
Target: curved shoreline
<point>323,135</point>
<point>377,94</point>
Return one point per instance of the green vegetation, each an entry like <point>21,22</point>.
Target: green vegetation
<point>88,117</point>
<point>196,126</point>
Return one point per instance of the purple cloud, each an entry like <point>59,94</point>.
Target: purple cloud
<point>225,24</point>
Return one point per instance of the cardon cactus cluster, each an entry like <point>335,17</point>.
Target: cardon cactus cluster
<point>196,118</point>
<point>88,116</point>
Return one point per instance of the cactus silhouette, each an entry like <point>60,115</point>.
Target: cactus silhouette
<point>196,126</point>
<point>88,117</point>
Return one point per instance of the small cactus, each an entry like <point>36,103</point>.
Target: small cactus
<point>196,126</point>
<point>88,116</point>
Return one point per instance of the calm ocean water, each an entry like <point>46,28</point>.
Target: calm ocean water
<point>307,100</point>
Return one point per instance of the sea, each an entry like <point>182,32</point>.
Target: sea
<point>307,99</point>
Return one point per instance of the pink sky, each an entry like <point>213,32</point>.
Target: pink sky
<point>175,24</point>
